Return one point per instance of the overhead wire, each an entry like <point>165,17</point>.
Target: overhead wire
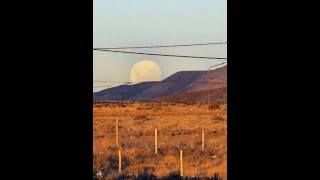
<point>157,54</point>
<point>165,46</point>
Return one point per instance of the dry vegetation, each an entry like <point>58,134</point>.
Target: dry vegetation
<point>179,127</point>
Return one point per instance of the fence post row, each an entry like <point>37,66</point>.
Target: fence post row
<point>155,146</point>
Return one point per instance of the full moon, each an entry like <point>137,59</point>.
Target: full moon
<point>145,70</point>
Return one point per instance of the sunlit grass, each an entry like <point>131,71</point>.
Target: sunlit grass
<point>179,127</point>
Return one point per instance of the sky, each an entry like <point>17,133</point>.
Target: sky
<point>120,23</point>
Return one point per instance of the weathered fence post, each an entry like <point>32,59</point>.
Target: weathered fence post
<point>202,140</point>
<point>181,164</point>
<point>155,141</point>
<point>119,161</point>
<point>117,133</point>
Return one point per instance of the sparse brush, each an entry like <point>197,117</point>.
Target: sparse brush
<point>112,176</point>
<point>174,176</point>
<point>141,117</point>
<point>218,117</point>
<point>126,177</point>
<point>147,174</point>
<point>214,106</point>
<point>216,177</point>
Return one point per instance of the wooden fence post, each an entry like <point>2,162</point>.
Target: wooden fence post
<point>181,164</point>
<point>119,161</point>
<point>202,140</point>
<point>155,141</point>
<point>117,133</point>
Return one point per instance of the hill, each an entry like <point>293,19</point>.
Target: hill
<point>176,87</point>
<point>216,95</point>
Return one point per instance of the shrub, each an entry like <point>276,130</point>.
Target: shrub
<point>126,176</point>
<point>147,174</point>
<point>112,163</point>
<point>141,117</point>
<point>218,117</point>
<point>216,177</point>
<point>111,176</point>
<point>174,176</point>
<point>214,106</point>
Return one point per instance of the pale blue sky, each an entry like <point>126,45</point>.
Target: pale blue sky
<point>118,23</point>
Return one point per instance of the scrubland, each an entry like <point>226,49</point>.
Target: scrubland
<point>179,127</point>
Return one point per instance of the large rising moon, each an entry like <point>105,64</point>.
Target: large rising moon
<point>145,70</point>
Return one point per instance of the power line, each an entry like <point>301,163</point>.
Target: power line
<point>159,81</point>
<point>154,54</point>
<point>211,82</point>
<point>180,45</point>
<point>181,81</point>
<point>173,82</point>
<point>123,82</point>
<point>176,82</point>
<point>100,86</point>
<point>113,82</point>
<point>211,78</point>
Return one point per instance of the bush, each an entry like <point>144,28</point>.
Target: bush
<point>218,117</point>
<point>174,176</point>
<point>141,117</point>
<point>147,174</point>
<point>126,176</point>
<point>216,177</point>
<point>214,106</point>
<point>111,176</point>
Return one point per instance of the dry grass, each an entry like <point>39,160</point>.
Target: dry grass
<point>179,127</point>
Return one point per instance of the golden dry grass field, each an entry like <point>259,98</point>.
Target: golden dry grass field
<point>179,128</point>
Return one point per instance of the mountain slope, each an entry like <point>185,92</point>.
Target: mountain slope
<point>128,91</point>
<point>180,82</point>
<point>216,95</point>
